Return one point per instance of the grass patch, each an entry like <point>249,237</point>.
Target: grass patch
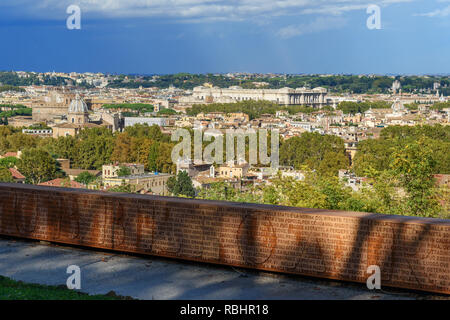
<point>18,290</point>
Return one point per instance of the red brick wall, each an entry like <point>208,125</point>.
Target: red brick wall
<point>411,252</point>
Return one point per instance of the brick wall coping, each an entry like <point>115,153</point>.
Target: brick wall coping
<point>240,205</point>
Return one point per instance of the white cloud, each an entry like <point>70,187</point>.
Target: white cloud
<point>444,12</point>
<point>195,10</point>
<point>320,24</point>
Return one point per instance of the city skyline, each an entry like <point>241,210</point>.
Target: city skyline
<point>255,36</point>
<point>237,73</point>
<point>214,151</point>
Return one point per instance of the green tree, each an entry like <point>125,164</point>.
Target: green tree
<point>122,148</point>
<point>37,166</point>
<point>252,108</point>
<point>164,160</point>
<point>325,153</point>
<point>332,163</point>
<point>124,188</point>
<point>181,185</point>
<point>226,192</point>
<point>146,131</point>
<point>8,162</point>
<point>414,164</point>
<point>123,171</point>
<point>5,175</point>
<point>299,194</point>
<point>18,141</point>
<point>335,192</point>
<point>361,107</point>
<point>94,148</point>
<point>62,147</point>
<point>153,157</point>
<point>85,178</point>
<point>167,112</point>
<point>374,154</point>
<point>218,191</point>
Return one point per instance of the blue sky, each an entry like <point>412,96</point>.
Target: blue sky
<point>199,36</point>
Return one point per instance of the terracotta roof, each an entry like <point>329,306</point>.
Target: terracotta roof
<point>16,174</point>
<point>62,183</point>
<point>10,154</point>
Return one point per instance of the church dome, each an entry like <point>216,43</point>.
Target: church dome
<point>78,105</point>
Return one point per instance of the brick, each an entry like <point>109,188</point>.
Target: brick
<point>412,253</point>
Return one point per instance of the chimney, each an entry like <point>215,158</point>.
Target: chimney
<point>65,163</point>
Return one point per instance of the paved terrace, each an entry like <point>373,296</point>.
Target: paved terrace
<point>158,278</point>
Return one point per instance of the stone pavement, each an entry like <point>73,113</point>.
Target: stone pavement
<point>156,278</point>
